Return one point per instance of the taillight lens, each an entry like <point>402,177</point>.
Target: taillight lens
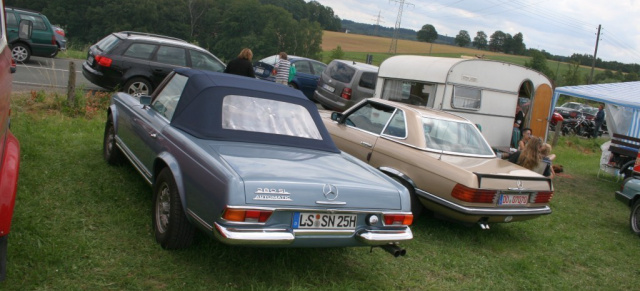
<point>53,39</point>
<point>103,61</point>
<point>467,194</point>
<point>541,197</point>
<point>246,215</point>
<point>398,219</point>
<point>346,93</point>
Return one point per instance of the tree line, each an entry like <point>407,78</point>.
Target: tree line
<point>222,26</point>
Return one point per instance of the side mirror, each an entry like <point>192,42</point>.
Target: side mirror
<point>336,116</point>
<point>145,100</point>
<point>479,126</point>
<point>25,29</point>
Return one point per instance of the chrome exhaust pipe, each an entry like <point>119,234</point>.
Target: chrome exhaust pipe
<point>394,249</point>
<point>483,225</point>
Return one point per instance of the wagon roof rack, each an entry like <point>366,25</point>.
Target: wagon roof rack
<point>129,33</point>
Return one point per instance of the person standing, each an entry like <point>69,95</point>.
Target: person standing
<point>242,64</point>
<point>598,120</point>
<point>282,68</point>
<point>517,125</point>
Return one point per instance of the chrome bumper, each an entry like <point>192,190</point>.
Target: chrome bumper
<point>484,211</point>
<point>279,237</point>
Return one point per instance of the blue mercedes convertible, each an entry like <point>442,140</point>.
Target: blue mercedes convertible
<point>250,162</point>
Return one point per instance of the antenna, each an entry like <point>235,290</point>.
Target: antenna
<point>394,41</point>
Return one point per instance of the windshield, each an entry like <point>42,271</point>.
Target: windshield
<point>453,136</point>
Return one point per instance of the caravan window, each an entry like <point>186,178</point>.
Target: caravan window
<point>466,97</point>
<point>410,92</point>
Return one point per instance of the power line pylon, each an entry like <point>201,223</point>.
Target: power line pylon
<point>394,41</point>
<point>377,19</point>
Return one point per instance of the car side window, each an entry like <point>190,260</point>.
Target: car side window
<point>318,68</point>
<point>303,67</point>
<point>397,126</point>
<point>11,19</point>
<point>203,61</point>
<point>370,117</point>
<point>140,51</point>
<point>38,22</point>
<point>368,80</point>
<point>172,56</point>
<point>167,100</point>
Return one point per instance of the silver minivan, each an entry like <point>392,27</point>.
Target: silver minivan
<point>344,83</point>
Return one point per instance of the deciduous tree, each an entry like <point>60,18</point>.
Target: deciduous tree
<point>428,33</point>
<point>480,41</point>
<point>463,39</point>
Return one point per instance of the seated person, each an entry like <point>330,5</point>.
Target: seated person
<point>526,136</point>
<point>531,157</point>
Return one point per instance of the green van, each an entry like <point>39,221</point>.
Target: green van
<point>42,42</point>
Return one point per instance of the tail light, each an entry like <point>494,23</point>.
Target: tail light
<point>346,93</point>
<point>246,215</point>
<point>103,61</point>
<point>541,197</point>
<point>398,219</point>
<point>60,32</point>
<point>467,194</point>
<point>53,39</point>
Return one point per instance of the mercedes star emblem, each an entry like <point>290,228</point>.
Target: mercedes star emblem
<point>330,191</point>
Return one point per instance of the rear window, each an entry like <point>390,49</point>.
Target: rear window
<point>107,43</point>
<point>368,80</point>
<point>341,72</point>
<point>268,116</point>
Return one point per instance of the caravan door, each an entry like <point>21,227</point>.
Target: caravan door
<point>540,111</point>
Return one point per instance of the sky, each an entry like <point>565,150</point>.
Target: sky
<point>560,27</point>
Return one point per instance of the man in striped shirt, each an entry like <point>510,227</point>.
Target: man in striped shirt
<point>282,69</point>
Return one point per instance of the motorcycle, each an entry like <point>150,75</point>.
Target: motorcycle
<point>579,126</point>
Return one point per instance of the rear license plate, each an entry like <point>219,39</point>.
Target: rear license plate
<point>513,199</point>
<point>324,220</point>
<point>260,71</point>
<point>328,88</point>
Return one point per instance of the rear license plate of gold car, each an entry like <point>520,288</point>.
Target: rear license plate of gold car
<point>513,199</point>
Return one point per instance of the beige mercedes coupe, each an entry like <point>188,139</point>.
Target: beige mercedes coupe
<point>443,160</point>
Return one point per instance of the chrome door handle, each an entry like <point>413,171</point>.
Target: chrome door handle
<point>153,135</point>
<point>366,144</point>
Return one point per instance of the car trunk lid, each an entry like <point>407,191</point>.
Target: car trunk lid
<point>293,177</point>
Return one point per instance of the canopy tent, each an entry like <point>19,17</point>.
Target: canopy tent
<point>622,110</point>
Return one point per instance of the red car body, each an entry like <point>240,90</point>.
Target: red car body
<point>9,146</point>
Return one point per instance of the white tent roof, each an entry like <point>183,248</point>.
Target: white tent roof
<point>622,94</point>
<point>623,115</point>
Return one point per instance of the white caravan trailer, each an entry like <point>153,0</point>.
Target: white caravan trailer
<point>483,91</point>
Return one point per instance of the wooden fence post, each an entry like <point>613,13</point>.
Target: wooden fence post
<point>71,85</point>
<point>557,133</point>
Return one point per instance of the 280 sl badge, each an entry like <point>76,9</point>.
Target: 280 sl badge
<point>272,194</point>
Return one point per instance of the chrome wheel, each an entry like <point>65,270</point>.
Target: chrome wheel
<point>20,53</point>
<point>138,89</point>
<point>634,219</point>
<point>163,208</point>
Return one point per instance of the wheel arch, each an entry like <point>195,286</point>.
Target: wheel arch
<point>166,160</point>
<point>396,173</point>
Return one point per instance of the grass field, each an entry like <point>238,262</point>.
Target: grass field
<point>356,48</point>
<point>80,224</point>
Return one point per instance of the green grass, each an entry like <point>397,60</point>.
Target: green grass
<point>80,224</point>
